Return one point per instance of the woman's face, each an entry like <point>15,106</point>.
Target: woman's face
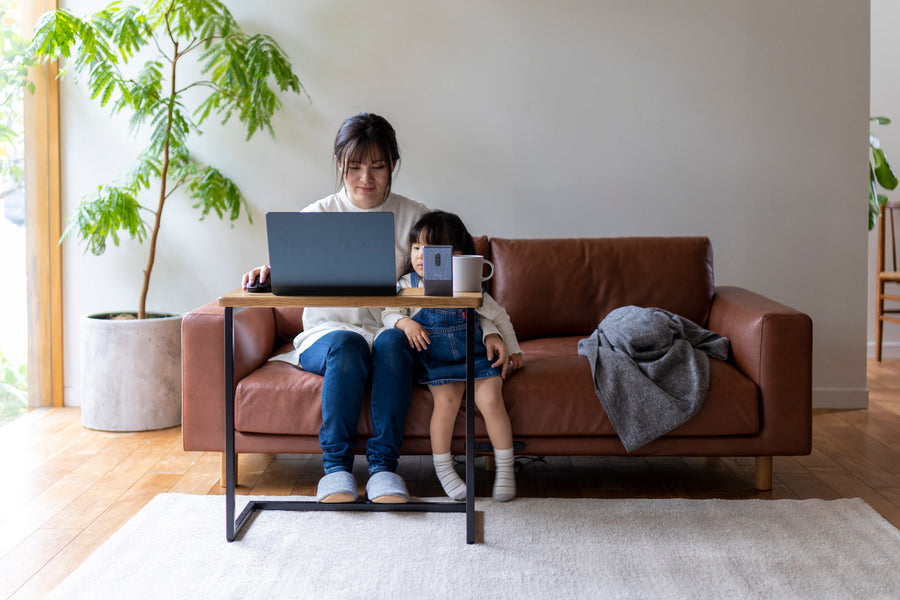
<point>366,180</point>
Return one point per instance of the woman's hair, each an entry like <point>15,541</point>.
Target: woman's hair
<point>364,135</point>
<point>442,228</point>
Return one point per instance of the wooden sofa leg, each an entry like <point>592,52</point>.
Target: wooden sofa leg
<point>763,477</point>
<point>223,479</point>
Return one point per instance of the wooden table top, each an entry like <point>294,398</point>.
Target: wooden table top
<point>405,298</point>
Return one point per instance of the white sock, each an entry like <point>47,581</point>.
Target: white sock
<point>450,480</point>
<point>505,477</point>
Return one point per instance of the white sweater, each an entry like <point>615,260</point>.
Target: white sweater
<point>317,321</point>
<point>493,317</point>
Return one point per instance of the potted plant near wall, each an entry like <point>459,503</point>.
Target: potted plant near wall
<point>132,59</point>
<point>880,173</point>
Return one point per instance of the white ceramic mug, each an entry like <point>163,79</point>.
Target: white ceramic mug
<point>468,272</point>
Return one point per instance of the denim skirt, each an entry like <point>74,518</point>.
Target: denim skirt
<point>444,360</point>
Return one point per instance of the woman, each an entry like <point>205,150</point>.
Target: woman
<point>340,343</point>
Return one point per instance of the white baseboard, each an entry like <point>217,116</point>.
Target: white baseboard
<point>888,350</point>
<point>840,398</point>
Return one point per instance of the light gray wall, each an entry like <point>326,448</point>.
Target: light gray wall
<point>741,120</point>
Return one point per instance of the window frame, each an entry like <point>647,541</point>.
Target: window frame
<point>43,225</point>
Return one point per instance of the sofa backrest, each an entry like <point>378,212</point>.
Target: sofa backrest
<point>288,323</point>
<point>565,287</point>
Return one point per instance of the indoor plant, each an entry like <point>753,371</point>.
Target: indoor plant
<point>880,173</point>
<point>238,76</point>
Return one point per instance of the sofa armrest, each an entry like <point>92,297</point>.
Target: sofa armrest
<point>772,345</point>
<point>203,367</point>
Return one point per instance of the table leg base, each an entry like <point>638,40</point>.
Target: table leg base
<point>362,506</point>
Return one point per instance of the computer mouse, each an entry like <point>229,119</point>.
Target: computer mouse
<point>255,287</point>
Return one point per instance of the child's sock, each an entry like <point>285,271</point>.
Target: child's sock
<point>450,480</point>
<point>505,477</point>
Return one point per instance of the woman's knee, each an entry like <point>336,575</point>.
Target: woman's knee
<point>393,345</point>
<point>349,352</point>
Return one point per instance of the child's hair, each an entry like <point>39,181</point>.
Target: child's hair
<point>442,228</point>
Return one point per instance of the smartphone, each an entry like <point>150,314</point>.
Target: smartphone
<point>437,264</point>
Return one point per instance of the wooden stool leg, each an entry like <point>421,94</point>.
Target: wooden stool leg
<point>223,479</point>
<point>879,321</point>
<point>763,476</point>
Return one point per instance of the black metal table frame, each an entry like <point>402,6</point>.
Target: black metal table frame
<point>234,526</point>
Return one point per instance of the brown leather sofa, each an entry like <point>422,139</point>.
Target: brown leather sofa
<point>556,292</point>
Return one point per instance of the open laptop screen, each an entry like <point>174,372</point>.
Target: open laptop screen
<point>331,254</point>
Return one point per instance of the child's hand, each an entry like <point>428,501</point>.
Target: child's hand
<point>516,361</point>
<point>496,347</point>
<point>415,333</point>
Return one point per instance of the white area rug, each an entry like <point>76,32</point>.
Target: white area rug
<point>532,548</point>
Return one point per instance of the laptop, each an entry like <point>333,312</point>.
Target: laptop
<point>331,254</point>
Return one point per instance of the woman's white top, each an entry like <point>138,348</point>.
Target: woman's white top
<point>492,317</point>
<point>318,321</point>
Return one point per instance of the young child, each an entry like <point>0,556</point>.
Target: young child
<point>439,336</point>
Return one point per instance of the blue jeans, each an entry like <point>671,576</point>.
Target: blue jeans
<point>343,359</point>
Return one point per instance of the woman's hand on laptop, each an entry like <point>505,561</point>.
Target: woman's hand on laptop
<point>259,274</point>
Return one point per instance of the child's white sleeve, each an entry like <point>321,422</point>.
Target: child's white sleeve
<point>390,316</point>
<point>494,319</point>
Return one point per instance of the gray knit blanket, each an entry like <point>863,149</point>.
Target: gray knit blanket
<point>651,370</point>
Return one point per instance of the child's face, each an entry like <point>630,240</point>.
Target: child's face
<point>416,258</point>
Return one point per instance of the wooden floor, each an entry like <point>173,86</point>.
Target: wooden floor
<point>66,489</point>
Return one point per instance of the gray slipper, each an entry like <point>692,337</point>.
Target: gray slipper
<point>339,486</point>
<point>385,487</point>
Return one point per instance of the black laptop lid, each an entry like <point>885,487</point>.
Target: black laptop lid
<point>331,254</point>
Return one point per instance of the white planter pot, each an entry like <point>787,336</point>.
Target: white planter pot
<point>131,373</point>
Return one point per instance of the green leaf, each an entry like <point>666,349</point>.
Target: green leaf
<point>169,124</point>
<point>215,192</point>
<point>130,32</point>
<point>54,35</point>
<point>145,170</point>
<point>880,120</point>
<point>61,35</point>
<point>242,67</point>
<point>874,210</point>
<point>102,215</point>
<point>145,92</point>
<point>883,173</point>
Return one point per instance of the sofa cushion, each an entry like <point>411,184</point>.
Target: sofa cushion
<point>281,399</point>
<point>562,287</point>
<point>555,372</point>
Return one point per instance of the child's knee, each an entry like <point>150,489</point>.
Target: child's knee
<point>489,400</point>
<point>446,396</point>
<point>447,403</point>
